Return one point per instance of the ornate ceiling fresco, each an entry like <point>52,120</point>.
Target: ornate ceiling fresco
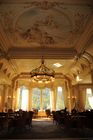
<point>44,23</point>
<point>57,29</point>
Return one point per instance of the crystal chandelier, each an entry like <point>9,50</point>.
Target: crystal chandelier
<point>42,74</point>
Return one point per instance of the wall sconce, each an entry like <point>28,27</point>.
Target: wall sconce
<point>13,97</point>
<point>68,97</point>
<point>78,79</point>
<point>74,97</point>
<point>9,97</point>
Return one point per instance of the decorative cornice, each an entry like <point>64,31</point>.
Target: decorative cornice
<point>4,79</point>
<point>37,53</point>
<point>27,75</point>
<point>61,1</point>
<point>5,44</point>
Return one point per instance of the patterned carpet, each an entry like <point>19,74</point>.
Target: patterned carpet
<point>43,128</point>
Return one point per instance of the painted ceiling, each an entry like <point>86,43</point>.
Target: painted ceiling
<point>59,30</point>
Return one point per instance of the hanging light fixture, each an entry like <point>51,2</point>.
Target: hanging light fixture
<point>42,74</point>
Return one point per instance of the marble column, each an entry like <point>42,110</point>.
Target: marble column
<point>69,88</point>
<point>13,98</point>
<point>41,105</point>
<point>92,80</point>
<point>54,92</point>
<point>3,98</point>
<point>6,93</point>
<point>30,99</point>
<point>52,99</point>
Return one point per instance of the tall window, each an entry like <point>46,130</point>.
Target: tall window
<point>89,99</point>
<point>23,98</point>
<point>40,98</point>
<point>36,98</point>
<point>60,99</point>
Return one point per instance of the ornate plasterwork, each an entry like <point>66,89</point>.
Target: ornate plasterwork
<point>50,23</point>
<point>39,32</point>
<point>43,26</point>
<point>79,22</point>
<point>45,5</point>
<point>7,20</point>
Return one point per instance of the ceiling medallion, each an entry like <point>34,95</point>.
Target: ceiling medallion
<point>42,74</point>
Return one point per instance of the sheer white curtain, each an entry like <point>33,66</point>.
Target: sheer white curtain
<point>22,98</point>
<point>89,99</point>
<point>60,98</point>
<point>24,102</point>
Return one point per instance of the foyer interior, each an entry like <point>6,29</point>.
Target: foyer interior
<point>62,33</point>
